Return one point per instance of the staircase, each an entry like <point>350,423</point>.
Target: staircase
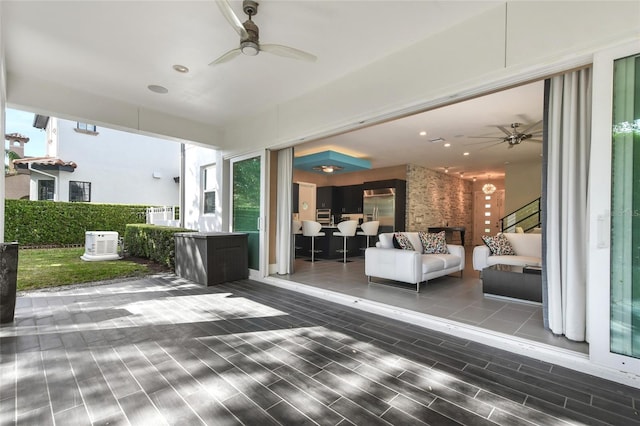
<point>527,217</point>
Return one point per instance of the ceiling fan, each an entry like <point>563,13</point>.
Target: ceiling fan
<point>515,136</point>
<point>249,36</point>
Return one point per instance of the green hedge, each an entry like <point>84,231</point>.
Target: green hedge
<point>152,242</point>
<point>60,223</point>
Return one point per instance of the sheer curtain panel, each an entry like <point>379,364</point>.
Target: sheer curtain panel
<point>284,211</point>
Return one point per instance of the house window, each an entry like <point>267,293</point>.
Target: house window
<point>80,191</point>
<point>45,190</point>
<point>86,128</point>
<point>209,189</point>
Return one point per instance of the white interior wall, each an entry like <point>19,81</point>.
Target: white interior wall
<point>522,183</point>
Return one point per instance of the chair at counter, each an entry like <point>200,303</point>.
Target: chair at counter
<point>296,229</point>
<point>370,229</point>
<point>312,229</point>
<point>346,229</point>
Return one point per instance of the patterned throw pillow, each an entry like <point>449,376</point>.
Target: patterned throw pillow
<point>433,243</point>
<point>499,245</point>
<point>401,241</point>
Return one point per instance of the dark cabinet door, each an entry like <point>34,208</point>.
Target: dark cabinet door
<point>352,199</point>
<point>325,197</point>
<point>295,191</point>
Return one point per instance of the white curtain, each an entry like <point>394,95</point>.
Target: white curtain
<point>568,144</point>
<point>284,211</point>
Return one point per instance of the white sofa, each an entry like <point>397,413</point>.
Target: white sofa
<point>413,267</point>
<point>528,249</point>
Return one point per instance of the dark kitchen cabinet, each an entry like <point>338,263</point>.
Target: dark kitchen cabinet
<point>326,197</point>
<point>295,197</point>
<point>350,199</point>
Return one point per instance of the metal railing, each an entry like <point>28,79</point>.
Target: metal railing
<point>165,215</point>
<point>526,217</point>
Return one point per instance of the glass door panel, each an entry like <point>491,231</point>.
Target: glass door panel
<point>625,207</point>
<point>246,178</point>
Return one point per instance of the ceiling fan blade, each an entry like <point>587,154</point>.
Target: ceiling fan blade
<point>497,140</point>
<point>288,52</point>
<point>505,131</point>
<point>485,137</point>
<point>231,17</point>
<point>535,140</point>
<point>226,57</point>
<point>490,146</point>
<point>531,127</point>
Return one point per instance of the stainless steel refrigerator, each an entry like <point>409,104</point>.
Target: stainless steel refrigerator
<point>380,204</point>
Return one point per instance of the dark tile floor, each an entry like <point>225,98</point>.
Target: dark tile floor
<point>162,350</point>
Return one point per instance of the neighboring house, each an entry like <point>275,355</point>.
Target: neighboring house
<point>16,184</point>
<point>86,163</point>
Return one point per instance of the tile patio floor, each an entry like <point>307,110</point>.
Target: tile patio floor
<point>162,350</point>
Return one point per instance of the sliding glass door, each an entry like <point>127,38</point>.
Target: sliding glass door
<point>247,206</point>
<point>625,208</point>
<point>615,180</point>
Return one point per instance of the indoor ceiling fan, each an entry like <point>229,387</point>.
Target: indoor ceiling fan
<point>515,136</point>
<point>249,36</point>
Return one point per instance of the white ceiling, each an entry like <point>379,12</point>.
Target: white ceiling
<point>398,142</point>
<point>115,49</point>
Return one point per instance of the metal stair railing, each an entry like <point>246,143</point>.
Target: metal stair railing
<point>527,217</point>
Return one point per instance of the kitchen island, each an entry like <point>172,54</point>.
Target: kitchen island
<point>331,246</point>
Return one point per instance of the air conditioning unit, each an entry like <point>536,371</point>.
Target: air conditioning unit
<point>101,245</point>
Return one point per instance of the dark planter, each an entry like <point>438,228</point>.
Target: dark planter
<point>8,281</point>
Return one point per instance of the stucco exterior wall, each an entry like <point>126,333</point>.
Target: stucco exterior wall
<point>122,167</point>
<point>196,159</point>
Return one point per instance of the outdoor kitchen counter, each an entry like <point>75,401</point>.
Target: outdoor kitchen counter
<point>210,258</point>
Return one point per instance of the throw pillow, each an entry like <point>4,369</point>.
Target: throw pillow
<point>401,241</point>
<point>499,245</point>
<point>433,243</point>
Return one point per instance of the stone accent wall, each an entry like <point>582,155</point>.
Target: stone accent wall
<point>438,199</point>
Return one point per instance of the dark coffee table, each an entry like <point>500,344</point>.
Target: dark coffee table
<point>517,282</point>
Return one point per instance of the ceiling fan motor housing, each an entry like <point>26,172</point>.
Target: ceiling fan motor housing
<point>250,7</point>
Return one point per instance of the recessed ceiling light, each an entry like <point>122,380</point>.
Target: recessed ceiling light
<point>447,145</point>
<point>181,68</point>
<point>423,133</point>
<point>465,153</point>
<point>158,89</point>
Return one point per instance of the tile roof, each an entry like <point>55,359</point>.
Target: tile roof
<point>44,161</point>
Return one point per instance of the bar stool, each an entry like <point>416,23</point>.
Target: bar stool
<point>296,229</point>
<point>370,229</point>
<point>312,229</point>
<point>346,229</point>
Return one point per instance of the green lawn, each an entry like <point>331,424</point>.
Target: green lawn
<point>39,268</point>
